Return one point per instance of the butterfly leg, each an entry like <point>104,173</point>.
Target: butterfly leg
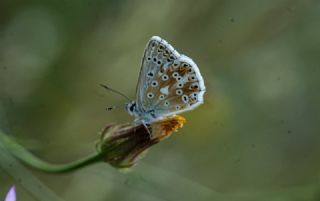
<point>147,126</point>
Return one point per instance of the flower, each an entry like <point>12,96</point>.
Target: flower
<point>122,145</point>
<point>11,195</point>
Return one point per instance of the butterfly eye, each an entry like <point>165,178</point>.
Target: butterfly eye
<point>154,83</point>
<point>131,108</point>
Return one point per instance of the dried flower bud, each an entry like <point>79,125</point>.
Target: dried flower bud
<point>123,145</point>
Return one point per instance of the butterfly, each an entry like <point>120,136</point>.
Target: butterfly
<point>169,83</point>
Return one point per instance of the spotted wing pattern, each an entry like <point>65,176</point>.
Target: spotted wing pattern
<point>169,83</point>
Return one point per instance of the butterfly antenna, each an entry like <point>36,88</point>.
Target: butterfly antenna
<point>112,107</point>
<point>116,92</point>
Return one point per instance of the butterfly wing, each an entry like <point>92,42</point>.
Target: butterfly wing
<point>184,90</point>
<point>157,50</point>
<point>169,83</point>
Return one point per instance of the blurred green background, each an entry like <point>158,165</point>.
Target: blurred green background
<point>255,138</point>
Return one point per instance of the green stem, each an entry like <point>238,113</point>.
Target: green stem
<point>25,156</point>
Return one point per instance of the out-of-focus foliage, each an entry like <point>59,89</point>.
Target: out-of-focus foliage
<point>256,135</point>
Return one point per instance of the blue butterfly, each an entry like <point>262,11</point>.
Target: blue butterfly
<point>169,83</point>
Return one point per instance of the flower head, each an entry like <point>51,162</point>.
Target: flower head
<point>123,145</point>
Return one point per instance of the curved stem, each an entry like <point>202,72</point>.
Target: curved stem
<point>25,156</point>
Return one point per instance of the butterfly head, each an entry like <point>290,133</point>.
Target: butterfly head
<point>131,108</point>
<point>140,116</point>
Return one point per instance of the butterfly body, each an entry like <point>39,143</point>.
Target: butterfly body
<point>169,83</point>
